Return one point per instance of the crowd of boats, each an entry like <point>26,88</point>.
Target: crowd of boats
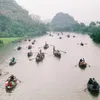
<point>11,82</point>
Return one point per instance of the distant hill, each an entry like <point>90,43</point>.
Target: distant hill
<point>62,21</point>
<point>15,21</point>
<point>65,22</point>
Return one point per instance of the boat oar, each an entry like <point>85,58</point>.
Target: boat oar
<point>85,89</point>
<point>6,61</point>
<point>19,80</point>
<point>75,65</point>
<point>6,73</point>
<point>40,47</point>
<point>89,65</point>
<point>63,51</point>
<point>77,43</point>
<point>51,45</point>
<point>48,54</point>
<point>31,59</point>
<point>2,75</point>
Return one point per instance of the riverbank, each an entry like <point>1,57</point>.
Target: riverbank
<point>9,40</point>
<point>14,39</point>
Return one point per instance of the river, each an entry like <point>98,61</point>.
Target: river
<point>53,79</point>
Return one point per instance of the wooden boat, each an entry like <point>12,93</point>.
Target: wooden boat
<point>10,88</point>
<point>29,40</point>
<point>82,64</point>
<point>29,54</point>
<point>40,57</point>
<point>57,53</point>
<point>60,37</point>
<point>29,47</point>
<point>68,36</point>
<point>10,85</point>
<point>19,41</point>
<point>74,36</point>
<point>93,89</point>
<point>33,42</point>
<point>12,63</point>
<point>25,39</point>
<point>19,48</point>
<point>46,46</point>
<point>81,44</point>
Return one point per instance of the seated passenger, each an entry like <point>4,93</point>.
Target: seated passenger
<point>13,59</point>
<point>90,81</point>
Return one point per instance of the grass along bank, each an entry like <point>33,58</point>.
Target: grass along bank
<point>9,40</point>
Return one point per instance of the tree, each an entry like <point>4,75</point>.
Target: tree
<point>92,24</point>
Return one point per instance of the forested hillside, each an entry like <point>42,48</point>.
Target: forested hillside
<point>15,21</point>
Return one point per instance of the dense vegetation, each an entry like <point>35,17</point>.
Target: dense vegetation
<point>16,22</point>
<point>65,22</point>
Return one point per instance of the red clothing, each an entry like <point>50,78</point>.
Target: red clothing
<point>9,84</point>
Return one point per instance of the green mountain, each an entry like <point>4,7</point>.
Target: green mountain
<point>63,22</point>
<point>15,21</point>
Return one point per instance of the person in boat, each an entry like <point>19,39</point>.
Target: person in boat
<point>83,60</point>
<point>80,60</point>
<point>30,52</point>
<point>38,55</point>
<point>95,82</point>
<point>94,79</point>
<point>58,51</point>
<point>8,83</point>
<point>19,48</point>
<point>0,72</point>
<point>11,81</point>
<point>29,46</point>
<point>41,54</point>
<point>53,48</point>
<point>12,78</point>
<point>90,81</point>
<point>46,44</point>
<point>13,59</point>
<point>40,51</point>
<point>81,43</point>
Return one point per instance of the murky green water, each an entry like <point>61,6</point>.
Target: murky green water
<point>52,79</point>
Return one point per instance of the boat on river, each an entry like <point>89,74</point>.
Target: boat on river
<point>29,54</point>
<point>29,47</point>
<point>46,46</point>
<point>93,86</point>
<point>12,63</point>
<point>10,84</point>
<point>57,53</point>
<point>40,57</point>
<point>19,48</point>
<point>82,64</point>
